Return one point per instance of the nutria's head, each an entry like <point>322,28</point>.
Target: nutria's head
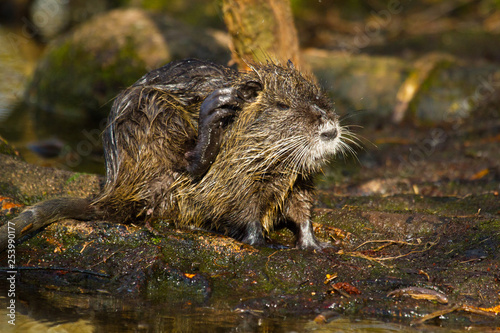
<point>289,119</point>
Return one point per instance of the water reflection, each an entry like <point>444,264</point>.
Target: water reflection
<point>112,315</point>
<point>199,320</point>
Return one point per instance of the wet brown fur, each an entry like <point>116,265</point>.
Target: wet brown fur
<point>203,145</point>
<point>263,170</point>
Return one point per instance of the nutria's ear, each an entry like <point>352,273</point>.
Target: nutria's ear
<point>250,90</point>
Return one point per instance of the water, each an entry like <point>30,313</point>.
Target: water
<point>194,320</point>
<point>204,320</point>
<point>54,310</point>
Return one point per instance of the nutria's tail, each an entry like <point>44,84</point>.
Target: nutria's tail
<point>45,213</point>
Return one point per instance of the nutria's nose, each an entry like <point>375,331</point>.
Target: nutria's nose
<point>329,134</point>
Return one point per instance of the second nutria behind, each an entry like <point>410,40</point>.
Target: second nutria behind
<point>201,144</point>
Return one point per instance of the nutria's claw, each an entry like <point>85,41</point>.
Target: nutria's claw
<point>315,245</point>
<point>241,96</point>
<point>220,104</point>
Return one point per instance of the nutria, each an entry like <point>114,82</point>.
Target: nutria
<point>204,145</point>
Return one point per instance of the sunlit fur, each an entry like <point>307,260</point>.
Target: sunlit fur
<point>264,154</point>
<point>263,171</point>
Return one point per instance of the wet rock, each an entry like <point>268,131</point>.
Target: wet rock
<point>81,72</point>
<point>29,183</point>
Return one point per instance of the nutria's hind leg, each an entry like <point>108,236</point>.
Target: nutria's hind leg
<point>253,235</point>
<point>306,239</point>
<point>215,112</point>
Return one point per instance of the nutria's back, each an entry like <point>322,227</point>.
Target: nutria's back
<point>151,126</point>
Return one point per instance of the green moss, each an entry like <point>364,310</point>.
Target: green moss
<point>31,200</point>
<point>7,149</point>
<point>156,240</point>
<point>74,177</point>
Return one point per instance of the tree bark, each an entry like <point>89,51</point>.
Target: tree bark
<point>261,30</point>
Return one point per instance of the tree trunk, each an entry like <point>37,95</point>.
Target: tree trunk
<point>261,30</point>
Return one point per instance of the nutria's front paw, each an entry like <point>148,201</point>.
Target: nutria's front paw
<point>216,112</point>
<point>218,106</point>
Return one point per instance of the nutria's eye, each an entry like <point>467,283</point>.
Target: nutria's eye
<point>282,106</point>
